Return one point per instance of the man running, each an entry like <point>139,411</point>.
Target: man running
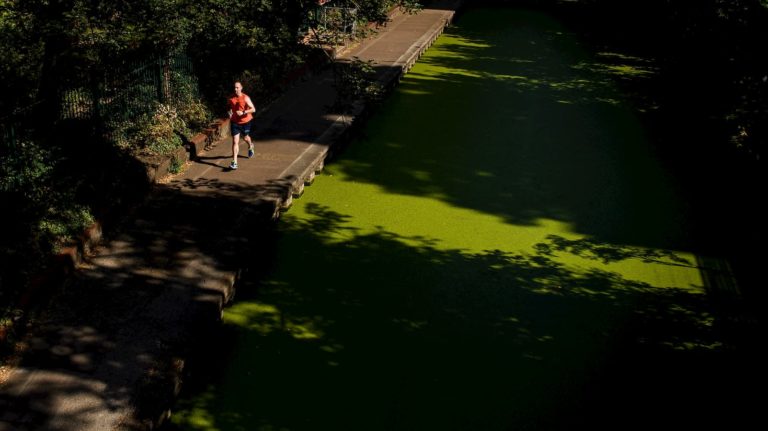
<point>240,110</point>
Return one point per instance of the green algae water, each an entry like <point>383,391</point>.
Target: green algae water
<point>499,250</point>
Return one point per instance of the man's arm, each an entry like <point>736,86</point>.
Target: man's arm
<point>251,107</point>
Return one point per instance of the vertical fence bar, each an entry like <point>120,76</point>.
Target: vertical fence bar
<point>129,94</point>
<point>125,95</point>
<point>8,135</point>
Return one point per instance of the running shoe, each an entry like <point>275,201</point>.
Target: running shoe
<point>233,165</point>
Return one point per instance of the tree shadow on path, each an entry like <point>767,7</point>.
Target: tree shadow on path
<point>107,345</point>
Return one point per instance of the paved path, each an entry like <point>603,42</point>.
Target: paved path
<point>157,288</point>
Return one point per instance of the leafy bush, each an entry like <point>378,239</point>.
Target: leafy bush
<point>47,205</point>
<point>159,136</point>
<point>356,81</point>
<point>195,114</point>
<point>156,133</point>
<point>43,212</point>
<point>176,165</point>
<point>410,6</point>
<point>190,108</point>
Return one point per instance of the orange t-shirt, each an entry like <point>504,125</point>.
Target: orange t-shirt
<point>237,103</point>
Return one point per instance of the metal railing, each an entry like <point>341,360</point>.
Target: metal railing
<point>128,94</point>
<point>121,96</point>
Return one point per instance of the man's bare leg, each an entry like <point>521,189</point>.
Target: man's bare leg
<point>250,145</point>
<point>235,149</point>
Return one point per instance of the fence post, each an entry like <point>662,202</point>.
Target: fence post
<point>96,105</point>
<point>163,78</point>
<point>8,135</point>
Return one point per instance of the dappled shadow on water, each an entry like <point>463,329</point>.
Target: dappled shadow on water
<point>373,330</point>
<point>593,250</point>
<point>513,116</point>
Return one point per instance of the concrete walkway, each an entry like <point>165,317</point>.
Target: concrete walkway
<point>156,289</point>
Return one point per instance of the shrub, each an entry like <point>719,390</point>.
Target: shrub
<point>42,211</point>
<point>156,133</point>
<point>176,165</point>
<point>195,114</point>
<point>356,81</point>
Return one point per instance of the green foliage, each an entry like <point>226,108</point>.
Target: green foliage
<point>748,119</point>
<point>254,38</point>
<point>195,114</point>
<point>375,11</point>
<point>176,165</point>
<point>19,64</point>
<point>66,221</point>
<point>190,107</point>
<point>721,51</point>
<point>156,133</point>
<point>25,170</point>
<point>42,209</point>
<point>26,178</point>
<point>355,81</point>
<point>410,6</point>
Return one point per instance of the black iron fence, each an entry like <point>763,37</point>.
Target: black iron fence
<point>118,96</point>
<point>132,92</point>
<point>17,126</point>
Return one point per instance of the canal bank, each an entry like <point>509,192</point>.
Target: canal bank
<point>110,353</point>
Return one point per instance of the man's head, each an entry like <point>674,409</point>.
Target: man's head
<point>238,88</point>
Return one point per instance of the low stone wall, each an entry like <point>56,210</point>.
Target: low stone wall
<point>205,139</point>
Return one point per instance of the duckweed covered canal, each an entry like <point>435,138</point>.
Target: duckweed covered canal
<point>500,250</point>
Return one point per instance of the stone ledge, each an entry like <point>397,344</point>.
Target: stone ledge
<point>206,139</point>
<point>157,167</point>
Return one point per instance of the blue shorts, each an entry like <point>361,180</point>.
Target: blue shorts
<point>237,129</point>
